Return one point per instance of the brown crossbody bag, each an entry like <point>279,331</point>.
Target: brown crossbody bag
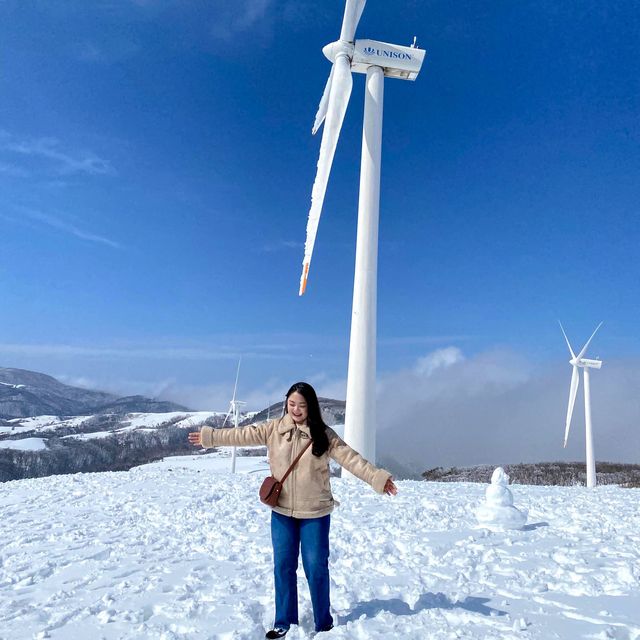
<point>271,488</point>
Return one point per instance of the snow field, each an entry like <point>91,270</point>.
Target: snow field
<point>154,420</point>
<point>180,550</point>
<point>132,421</point>
<point>24,444</point>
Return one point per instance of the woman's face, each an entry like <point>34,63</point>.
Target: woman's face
<point>297,407</point>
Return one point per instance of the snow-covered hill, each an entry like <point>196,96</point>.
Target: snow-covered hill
<point>180,550</point>
<point>95,426</point>
<point>48,445</point>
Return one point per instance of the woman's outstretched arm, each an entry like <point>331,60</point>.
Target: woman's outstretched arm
<point>354,463</point>
<point>254,434</point>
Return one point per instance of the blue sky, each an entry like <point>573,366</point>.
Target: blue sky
<point>156,165</point>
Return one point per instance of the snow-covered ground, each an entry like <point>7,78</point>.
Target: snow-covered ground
<point>94,435</point>
<point>181,550</point>
<point>12,386</point>
<point>153,420</point>
<point>24,444</point>
<point>32,423</point>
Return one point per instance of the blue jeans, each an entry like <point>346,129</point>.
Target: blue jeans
<point>288,535</point>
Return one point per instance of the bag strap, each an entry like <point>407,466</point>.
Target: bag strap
<point>295,462</point>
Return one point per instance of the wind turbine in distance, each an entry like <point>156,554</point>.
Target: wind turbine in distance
<point>377,60</point>
<point>234,409</point>
<point>580,362</point>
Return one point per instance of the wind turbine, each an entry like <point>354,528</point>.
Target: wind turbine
<point>580,362</point>
<point>377,60</point>
<point>234,409</point>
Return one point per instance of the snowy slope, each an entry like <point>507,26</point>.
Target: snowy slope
<point>126,422</point>
<point>180,550</point>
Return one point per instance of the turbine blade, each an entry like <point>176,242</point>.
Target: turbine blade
<point>341,85</point>
<point>352,14</point>
<point>322,107</point>
<point>575,382</point>
<point>573,355</point>
<point>227,416</point>
<point>584,349</point>
<point>235,386</point>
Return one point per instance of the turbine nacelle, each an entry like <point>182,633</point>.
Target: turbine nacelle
<point>395,60</point>
<point>586,362</point>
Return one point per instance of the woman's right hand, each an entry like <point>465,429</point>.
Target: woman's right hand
<point>195,438</point>
<point>390,488</point>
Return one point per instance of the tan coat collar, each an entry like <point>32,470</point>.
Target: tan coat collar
<point>287,424</point>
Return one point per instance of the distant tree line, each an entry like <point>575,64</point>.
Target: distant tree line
<point>543,473</point>
<point>117,452</point>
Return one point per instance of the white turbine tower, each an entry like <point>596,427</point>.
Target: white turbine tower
<point>580,362</point>
<point>234,409</point>
<point>377,60</point>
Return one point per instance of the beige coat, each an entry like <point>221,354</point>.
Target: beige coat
<point>306,493</point>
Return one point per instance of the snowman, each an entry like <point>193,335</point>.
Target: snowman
<point>498,512</point>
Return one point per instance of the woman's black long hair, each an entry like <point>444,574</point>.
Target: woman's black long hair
<point>314,416</point>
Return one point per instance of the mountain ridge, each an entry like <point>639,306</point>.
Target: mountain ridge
<point>25,393</point>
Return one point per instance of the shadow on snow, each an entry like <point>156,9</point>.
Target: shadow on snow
<point>425,601</point>
<point>534,526</point>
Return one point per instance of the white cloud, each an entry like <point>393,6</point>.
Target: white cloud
<point>63,161</point>
<point>251,12</point>
<point>282,245</point>
<point>216,397</point>
<point>441,358</point>
<point>69,228</point>
<point>84,382</point>
<point>234,18</point>
<point>328,387</point>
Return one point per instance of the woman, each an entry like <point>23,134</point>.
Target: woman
<point>301,518</point>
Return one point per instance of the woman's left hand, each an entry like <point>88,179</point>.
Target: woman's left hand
<point>390,488</point>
